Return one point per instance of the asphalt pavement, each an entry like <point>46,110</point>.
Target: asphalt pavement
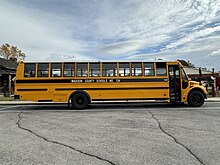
<point>119,134</point>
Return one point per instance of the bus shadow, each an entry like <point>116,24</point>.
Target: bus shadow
<point>133,105</point>
<point>103,106</point>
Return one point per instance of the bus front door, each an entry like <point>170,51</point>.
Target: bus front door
<point>175,84</point>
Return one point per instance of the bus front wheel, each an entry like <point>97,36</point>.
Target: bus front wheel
<point>196,99</point>
<point>79,101</point>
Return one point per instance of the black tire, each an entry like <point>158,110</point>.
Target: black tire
<point>196,99</point>
<point>79,101</point>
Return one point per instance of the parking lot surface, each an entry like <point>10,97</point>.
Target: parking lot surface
<point>120,134</point>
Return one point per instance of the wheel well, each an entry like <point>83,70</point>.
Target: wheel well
<point>197,89</point>
<point>79,91</point>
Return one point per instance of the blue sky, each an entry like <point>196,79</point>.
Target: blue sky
<point>114,30</point>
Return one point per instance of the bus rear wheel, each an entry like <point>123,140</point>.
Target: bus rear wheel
<point>196,99</point>
<point>79,101</point>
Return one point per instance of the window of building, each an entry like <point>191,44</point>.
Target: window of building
<point>82,69</point>
<point>136,68</point>
<point>149,69</point>
<point>109,69</point>
<point>161,69</point>
<point>124,69</point>
<point>56,70</point>
<point>29,70</point>
<point>94,69</point>
<point>69,69</point>
<point>43,70</point>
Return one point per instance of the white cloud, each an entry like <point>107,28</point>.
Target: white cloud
<point>199,52</point>
<point>37,37</point>
<point>122,47</point>
<point>131,46</point>
<point>193,36</point>
<point>214,53</point>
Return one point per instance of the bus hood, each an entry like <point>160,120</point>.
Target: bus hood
<point>193,83</point>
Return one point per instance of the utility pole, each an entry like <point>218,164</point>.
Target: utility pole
<point>213,83</point>
<point>200,75</point>
<point>213,71</point>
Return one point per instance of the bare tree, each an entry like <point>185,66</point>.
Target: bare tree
<point>11,52</point>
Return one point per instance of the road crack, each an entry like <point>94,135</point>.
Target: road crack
<point>175,140</point>
<point>58,143</point>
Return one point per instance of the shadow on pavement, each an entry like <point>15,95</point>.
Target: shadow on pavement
<point>101,106</point>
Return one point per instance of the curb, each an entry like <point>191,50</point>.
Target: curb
<point>212,101</point>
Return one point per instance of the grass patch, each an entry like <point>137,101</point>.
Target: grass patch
<point>2,98</point>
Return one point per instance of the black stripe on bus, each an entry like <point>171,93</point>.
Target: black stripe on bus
<point>31,89</point>
<point>130,99</point>
<point>45,100</point>
<point>101,80</point>
<point>61,89</point>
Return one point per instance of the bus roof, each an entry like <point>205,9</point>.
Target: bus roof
<point>97,61</point>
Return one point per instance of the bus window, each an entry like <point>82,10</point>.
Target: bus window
<point>136,68</point>
<point>184,77</point>
<point>94,69</point>
<point>69,69</point>
<point>109,69</point>
<point>161,69</point>
<point>29,70</point>
<point>124,69</point>
<point>56,70</point>
<point>82,69</point>
<point>148,69</point>
<point>42,70</point>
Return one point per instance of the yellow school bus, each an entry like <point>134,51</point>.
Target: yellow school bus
<point>81,83</point>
